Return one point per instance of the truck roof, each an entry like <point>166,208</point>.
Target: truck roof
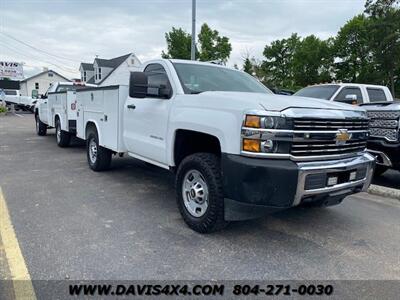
<point>195,62</point>
<point>351,84</point>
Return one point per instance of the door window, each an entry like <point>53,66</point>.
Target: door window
<point>157,79</point>
<point>350,95</point>
<point>376,95</point>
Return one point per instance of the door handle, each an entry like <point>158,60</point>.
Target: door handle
<point>131,106</point>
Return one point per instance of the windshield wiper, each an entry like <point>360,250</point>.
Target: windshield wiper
<point>195,92</point>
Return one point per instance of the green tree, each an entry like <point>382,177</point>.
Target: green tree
<point>352,50</point>
<point>384,31</point>
<point>278,65</point>
<point>178,44</point>
<point>248,66</point>
<point>312,61</point>
<point>212,45</point>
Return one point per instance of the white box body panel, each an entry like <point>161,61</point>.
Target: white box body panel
<point>104,108</point>
<point>60,104</point>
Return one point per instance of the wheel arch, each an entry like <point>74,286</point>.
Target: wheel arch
<point>92,124</point>
<point>57,116</point>
<point>187,142</point>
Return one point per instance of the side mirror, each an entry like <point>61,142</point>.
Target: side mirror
<point>351,97</point>
<point>165,91</point>
<point>138,84</point>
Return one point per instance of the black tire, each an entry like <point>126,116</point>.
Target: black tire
<point>379,170</point>
<point>102,161</point>
<point>63,138</point>
<point>41,128</point>
<point>208,165</point>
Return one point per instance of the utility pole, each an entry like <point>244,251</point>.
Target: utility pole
<point>193,49</point>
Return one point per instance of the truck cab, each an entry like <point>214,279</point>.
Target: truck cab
<point>238,151</point>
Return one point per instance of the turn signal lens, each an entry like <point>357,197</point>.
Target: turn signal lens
<point>251,145</point>
<point>252,121</point>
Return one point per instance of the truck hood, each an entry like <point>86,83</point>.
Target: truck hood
<point>382,106</point>
<point>269,102</point>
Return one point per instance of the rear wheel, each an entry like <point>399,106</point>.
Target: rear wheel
<point>41,128</point>
<point>99,158</point>
<point>63,138</point>
<point>379,170</point>
<point>199,192</point>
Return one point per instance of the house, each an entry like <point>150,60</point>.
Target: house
<point>109,71</point>
<point>39,83</point>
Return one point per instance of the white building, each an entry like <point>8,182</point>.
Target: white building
<point>39,83</point>
<point>109,71</point>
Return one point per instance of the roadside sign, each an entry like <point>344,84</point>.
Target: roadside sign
<point>13,70</point>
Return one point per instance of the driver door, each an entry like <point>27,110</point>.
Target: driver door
<point>146,119</point>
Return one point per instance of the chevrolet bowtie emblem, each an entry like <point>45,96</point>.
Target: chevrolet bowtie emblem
<point>342,136</point>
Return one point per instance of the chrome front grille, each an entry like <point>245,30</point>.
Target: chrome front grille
<point>327,148</point>
<point>393,115</point>
<point>329,124</point>
<point>384,124</point>
<point>325,142</point>
<point>389,134</point>
<point>308,135</point>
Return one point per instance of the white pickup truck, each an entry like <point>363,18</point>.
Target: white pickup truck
<point>238,150</point>
<point>57,108</point>
<point>383,111</point>
<point>350,93</point>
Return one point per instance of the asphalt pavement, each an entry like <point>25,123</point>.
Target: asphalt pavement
<point>73,223</point>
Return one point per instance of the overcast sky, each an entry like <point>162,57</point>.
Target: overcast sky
<point>78,30</point>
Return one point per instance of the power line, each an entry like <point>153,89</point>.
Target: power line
<point>67,70</point>
<point>37,49</point>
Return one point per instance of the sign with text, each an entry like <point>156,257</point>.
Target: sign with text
<point>12,70</point>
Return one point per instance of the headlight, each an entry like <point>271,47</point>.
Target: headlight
<point>267,122</point>
<point>252,121</point>
<point>266,133</point>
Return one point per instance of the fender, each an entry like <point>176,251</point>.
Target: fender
<point>223,125</point>
<point>99,134</point>
<point>61,121</point>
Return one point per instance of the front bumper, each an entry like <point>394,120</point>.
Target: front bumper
<point>388,154</point>
<point>254,186</point>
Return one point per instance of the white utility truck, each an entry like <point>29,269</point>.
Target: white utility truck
<point>238,150</point>
<point>57,108</point>
<point>350,93</point>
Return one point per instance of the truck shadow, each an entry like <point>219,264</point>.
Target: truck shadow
<point>158,185</point>
<point>390,178</point>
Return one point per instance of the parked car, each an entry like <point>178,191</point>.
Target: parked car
<point>238,150</point>
<point>384,140</point>
<point>57,108</point>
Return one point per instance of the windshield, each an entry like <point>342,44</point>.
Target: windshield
<point>320,91</point>
<point>66,88</point>
<point>202,78</point>
<point>10,92</point>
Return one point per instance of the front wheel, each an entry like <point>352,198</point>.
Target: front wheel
<point>41,128</point>
<point>99,158</point>
<point>63,138</point>
<point>199,192</point>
